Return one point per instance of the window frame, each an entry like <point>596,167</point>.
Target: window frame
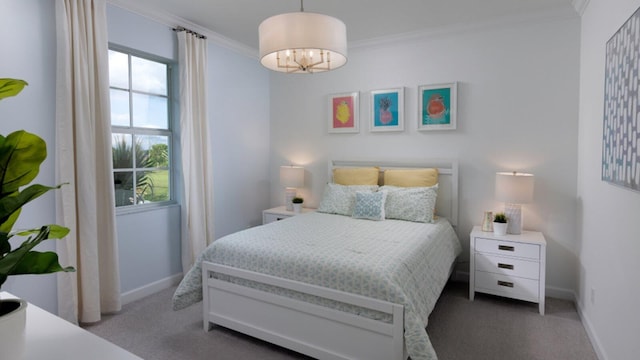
<point>133,131</point>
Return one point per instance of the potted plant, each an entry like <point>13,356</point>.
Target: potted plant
<point>21,154</point>
<point>297,204</point>
<point>500,221</point>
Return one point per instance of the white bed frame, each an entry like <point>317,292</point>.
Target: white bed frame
<point>310,329</point>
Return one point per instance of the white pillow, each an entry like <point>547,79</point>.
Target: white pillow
<point>341,199</point>
<point>412,204</point>
<point>370,205</point>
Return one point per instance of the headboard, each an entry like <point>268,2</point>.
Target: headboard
<point>447,204</point>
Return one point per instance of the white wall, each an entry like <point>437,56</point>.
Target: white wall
<point>148,241</point>
<point>608,215</point>
<point>517,110</point>
<point>27,48</point>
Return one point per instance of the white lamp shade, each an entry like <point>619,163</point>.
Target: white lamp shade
<point>302,30</point>
<point>292,176</point>
<point>514,188</point>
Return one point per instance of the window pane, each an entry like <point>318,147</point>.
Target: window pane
<point>148,76</point>
<point>123,184</point>
<point>121,151</point>
<point>119,108</point>
<point>118,69</point>
<point>153,186</point>
<point>150,112</point>
<point>154,151</point>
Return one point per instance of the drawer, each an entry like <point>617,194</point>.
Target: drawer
<point>268,218</point>
<point>507,266</point>
<point>508,248</point>
<point>509,286</point>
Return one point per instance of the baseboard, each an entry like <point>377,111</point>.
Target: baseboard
<point>560,293</point>
<point>460,276</point>
<point>150,289</point>
<point>591,333</point>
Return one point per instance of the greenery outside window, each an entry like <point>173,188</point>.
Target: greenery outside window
<point>141,129</point>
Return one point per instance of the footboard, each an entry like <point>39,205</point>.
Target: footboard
<point>307,328</point>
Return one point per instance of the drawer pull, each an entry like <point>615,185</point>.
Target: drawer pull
<point>505,283</point>
<point>505,266</point>
<point>506,248</point>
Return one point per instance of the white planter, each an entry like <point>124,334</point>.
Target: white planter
<point>12,330</point>
<point>297,208</point>
<point>500,228</point>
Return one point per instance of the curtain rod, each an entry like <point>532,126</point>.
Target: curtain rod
<point>180,28</point>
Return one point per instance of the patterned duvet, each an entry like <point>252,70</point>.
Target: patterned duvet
<point>393,260</point>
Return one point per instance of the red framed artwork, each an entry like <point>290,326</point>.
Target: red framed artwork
<point>343,113</point>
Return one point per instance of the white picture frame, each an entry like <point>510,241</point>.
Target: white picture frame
<point>386,110</point>
<point>437,106</point>
<point>344,113</point>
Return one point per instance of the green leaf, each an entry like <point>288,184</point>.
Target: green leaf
<point>7,225</point>
<point>9,205</point>
<point>55,231</point>
<point>5,246</point>
<point>35,262</point>
<point>11,87</point>
<point>21,154</point>
<point>11,260</point>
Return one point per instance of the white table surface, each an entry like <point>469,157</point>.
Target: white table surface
<point>53,338</point>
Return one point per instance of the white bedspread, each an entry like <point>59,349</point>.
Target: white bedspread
<point>397,261</point>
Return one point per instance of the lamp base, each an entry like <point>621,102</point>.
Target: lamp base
<point>514,214</point>
<point>289,194</point>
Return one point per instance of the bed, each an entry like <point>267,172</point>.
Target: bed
<point>333,286</point>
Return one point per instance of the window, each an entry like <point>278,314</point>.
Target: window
<point>141,129</point>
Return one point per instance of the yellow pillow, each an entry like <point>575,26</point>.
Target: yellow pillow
<point>356,176</point>
<point>411,177</point>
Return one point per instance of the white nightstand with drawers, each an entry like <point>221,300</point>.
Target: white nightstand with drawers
<point>508,265</point>
<point>280,213</point>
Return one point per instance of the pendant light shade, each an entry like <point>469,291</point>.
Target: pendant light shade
<point>302,43</point>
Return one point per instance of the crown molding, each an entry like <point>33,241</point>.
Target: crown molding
<point>174,21</point>
<point>560,14</point>
<point>580,5</point>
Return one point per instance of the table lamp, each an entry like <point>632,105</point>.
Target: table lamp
<point>514,189</point>
<point>291,177</point>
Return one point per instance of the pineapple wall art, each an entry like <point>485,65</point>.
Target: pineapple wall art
<point>387,110</point>
<point>343,113</point>
<point>437,106</point>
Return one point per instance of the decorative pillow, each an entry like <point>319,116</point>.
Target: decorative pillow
<point>356,176</point>
<point>411,203</point>
<point>370,205</point>
<point>411,177</point>
<point>341,199</point>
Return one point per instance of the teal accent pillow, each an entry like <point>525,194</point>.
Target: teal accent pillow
<point>411,204</point>
<point>341,199</point>
<point>370,205</point>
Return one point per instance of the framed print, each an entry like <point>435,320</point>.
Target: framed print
<point>343,113</point>
<point>387,110</point>
<point>620,130</point>
<point>437,106</point>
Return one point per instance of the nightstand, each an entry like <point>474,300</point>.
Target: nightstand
<point>280,213</point>
<point>508,265</point>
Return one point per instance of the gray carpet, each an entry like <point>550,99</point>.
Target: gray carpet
<point>487,328</point>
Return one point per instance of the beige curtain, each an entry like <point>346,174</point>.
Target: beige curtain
<point>197,209</point>
<point>83,160</point>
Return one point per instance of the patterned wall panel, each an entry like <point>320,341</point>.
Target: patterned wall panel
<point>621,130</point>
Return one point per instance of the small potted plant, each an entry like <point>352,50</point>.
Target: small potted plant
<point>500,221</point>
<point>297,204</point>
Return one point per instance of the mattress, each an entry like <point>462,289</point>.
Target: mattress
<point>392,260</point>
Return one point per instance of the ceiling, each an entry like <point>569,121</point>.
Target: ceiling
<point>366,20</point>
